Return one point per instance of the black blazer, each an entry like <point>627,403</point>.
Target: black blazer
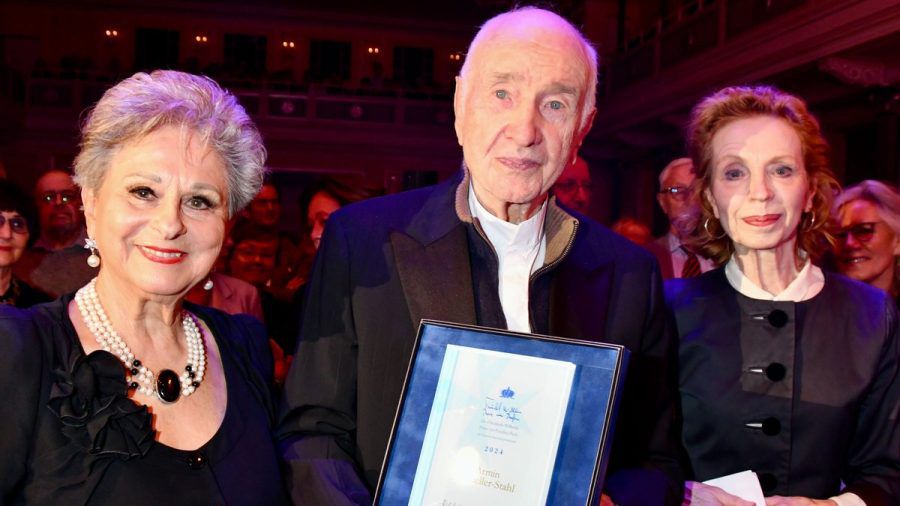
<point>806,394</point>
<point>385,264</point>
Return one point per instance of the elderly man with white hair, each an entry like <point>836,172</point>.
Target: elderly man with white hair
<point>489,247</point>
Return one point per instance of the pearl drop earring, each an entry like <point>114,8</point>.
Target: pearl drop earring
<point>94,259</point>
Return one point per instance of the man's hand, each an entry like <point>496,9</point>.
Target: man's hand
<point>698,494</point>
<point>777,500</point>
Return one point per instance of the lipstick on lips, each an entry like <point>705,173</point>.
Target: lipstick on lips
<point>762,220</point>
<point>162,255</point>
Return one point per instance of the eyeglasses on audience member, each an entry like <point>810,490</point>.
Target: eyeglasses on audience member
<point>17,223</point>
<point>679,193</point>
<point>60,197</point>
<point>571,186</point>
<point>863,232</point>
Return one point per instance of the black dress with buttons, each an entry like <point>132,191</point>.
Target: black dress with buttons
<point>805,394</point>
<point>69,435</point>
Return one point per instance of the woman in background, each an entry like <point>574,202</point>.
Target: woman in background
<point>868,235</point>
<point>784,370</point>
<point>17,229</point>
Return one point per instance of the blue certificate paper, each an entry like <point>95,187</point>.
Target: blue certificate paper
<point>494,429</point>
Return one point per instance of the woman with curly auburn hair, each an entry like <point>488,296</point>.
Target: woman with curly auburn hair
<point>784,369</point>
<point>123,392</point>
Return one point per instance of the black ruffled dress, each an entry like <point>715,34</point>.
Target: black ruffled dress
<point>69,434</point>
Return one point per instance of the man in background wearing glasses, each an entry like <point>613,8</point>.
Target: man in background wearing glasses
<point>57,262</point>
<point>681,205</point>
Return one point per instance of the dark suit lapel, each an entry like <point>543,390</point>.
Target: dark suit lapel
<point>432,258</point>
<point>436,277</point>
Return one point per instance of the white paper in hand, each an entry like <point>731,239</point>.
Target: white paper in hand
<point>744,485</point>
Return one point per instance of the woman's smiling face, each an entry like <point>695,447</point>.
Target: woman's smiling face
<point>159,215</point>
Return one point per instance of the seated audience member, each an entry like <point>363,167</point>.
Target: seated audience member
<point>56,262</point>
<point>785,370</point>
<point>868,235</point>
<point>252,260</point>
<point>17,225</point>
<point>632,229</point>
<point>487,247</point>
<point>573,188</point>
<point>679,201</point>
<point>123,392</point>
<point>264,213</point>
<point>253,255</point>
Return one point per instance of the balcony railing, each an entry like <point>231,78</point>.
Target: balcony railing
<point>49,98</point>
<point>696,27</point>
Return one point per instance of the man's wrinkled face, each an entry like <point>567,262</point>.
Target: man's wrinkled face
<point>519,112</point>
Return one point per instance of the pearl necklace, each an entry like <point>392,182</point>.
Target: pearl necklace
<point>168,385</point>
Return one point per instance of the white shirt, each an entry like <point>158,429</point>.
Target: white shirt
<point>520,251</point>
<point>808,283</point>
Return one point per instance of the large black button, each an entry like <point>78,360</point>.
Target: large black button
<point>767,481</point>
<point>777,318</point>
<point>771,426</point>
<point>196,460</point>
<point>776,371</point>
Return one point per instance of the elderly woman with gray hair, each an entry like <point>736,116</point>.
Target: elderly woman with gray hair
<point>868,234</point>
<point>123,392</point>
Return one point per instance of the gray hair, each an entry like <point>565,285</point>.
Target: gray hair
<point>143,103</point>
<point>590,53</point>
<point>678,162</point>
<point>883,196</point>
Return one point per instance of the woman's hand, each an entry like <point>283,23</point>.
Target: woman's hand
<point>777,500</point>
<point>698,494</point>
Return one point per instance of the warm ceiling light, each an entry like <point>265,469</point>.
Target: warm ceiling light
<point>112,33</point>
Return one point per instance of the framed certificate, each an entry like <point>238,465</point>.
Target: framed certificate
<point>502,418</point>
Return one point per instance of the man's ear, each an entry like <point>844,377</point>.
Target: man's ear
<point>458,109</point>
<point>89,204</point>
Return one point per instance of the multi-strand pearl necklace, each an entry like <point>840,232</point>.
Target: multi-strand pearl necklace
<point>167,385</point>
